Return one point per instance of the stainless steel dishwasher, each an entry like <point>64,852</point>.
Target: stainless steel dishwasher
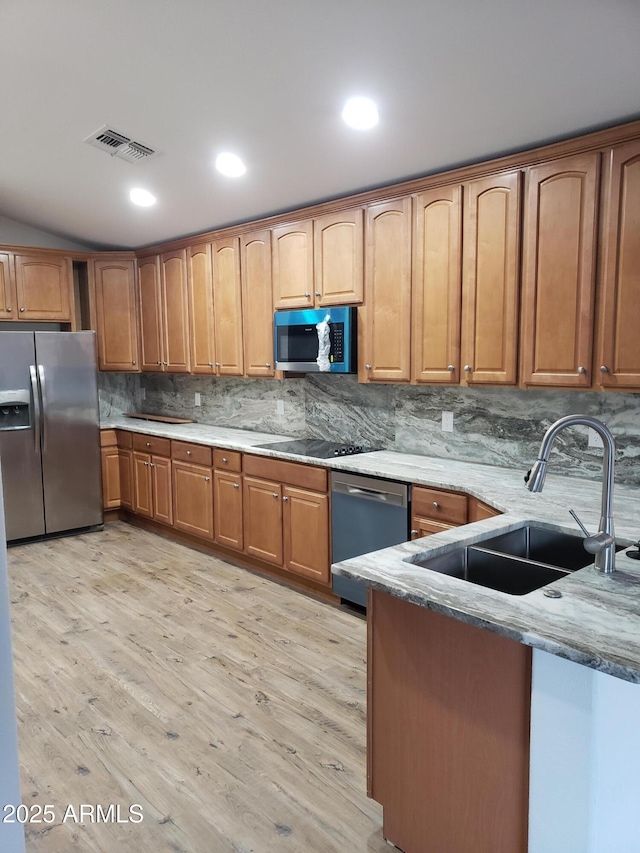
<point>367,514</point>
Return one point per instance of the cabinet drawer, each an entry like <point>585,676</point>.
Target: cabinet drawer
<point>438,505</point>
<point>152,444</point>
<point>291,473</point>
<point>125,439</point>
<point>197,454</point>
<point>108,438</point>
<point>227,460</point>
<point>425,527</point>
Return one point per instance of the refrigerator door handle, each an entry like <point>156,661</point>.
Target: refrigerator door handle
<point>37,421</point>
<point>43,390</point>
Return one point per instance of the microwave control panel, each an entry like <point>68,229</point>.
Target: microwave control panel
<point>336,337</point>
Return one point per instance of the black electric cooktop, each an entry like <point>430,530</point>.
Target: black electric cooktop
<point>316,447</point>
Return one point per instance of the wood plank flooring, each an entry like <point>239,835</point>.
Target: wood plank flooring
<point>231,708</point>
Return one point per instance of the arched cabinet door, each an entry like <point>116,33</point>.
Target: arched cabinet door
<point>559,271</point>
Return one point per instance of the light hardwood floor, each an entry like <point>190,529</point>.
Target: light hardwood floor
<point>230,707</point>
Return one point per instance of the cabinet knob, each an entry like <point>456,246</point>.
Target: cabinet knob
<point>436,504</point>
<point>158,362</point>
<point>209,364</point>
<point>148,443</point>
<point>415,532</point>
<point>236,485</point>
<point>146,464</point>
<point>268,364</point>
<point>21,310</point>
<point>604,368</point>
<point>275,494</point>
<point>225,460</point>
<point>166,363</point>
<point>189,452</point>
<point>206,479</point>
<point>582,369</point>
<point>318,294</point>
<point>285,498</point>
<point>133,362</point>
<point>367,367</point>
<point>307,296</point>
<point>9,309</point>
<point>217,364</point>
<point>467,368</point>
<point>152,465</point>
<point>451,368</point>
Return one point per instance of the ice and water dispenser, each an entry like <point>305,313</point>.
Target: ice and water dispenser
<point>14,409</point>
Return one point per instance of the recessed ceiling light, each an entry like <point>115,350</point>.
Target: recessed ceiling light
<point>142,197</point>
<point>230,165</point>
<point>360,113</point>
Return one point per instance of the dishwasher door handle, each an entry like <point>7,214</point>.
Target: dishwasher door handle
<point>368,493</point>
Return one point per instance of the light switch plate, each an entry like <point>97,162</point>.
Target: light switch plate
<point>447,422</point>
<point>594,439</point>
<point>198,401</point>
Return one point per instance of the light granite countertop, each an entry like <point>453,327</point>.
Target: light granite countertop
<point>596,622</point>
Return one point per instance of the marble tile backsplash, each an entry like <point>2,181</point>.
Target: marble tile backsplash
<point>498,426</point>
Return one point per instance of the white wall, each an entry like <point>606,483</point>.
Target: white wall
<point>14,233</point>
<point>585,760</point>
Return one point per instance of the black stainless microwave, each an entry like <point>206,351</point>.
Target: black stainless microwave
<point>297,339</point>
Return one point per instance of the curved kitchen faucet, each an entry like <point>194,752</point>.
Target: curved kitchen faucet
<point>602,543</point>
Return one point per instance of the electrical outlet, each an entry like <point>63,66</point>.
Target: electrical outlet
<point>447,422</point>
<point>198,397</point>
<point>143,393</point>
<point>280,407</point>
<point>594,439</point>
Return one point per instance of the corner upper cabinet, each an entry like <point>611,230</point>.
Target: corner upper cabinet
<point>44,285</point>
<point>151,333</point>
<point>338,240</point>
<point>227,307</point>
<point>200,289</point>
<point>491,280</point>
<point>618,364</point>
<point>8,299</point>
<point>257,303</point>
<point>437,285</point>
<point>116,316</point>
<point>558,271</point>
<point>175,311</point>
<point>386,354</point>
<point>293,285</point>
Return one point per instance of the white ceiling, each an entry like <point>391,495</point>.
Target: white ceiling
<point>455,80</point>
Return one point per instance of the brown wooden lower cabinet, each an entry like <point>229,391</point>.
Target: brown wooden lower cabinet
<point>228,510</point>
<point>125,464</point>
<point>142,484</point>
<point>110,478</point>
<point>262,507</point>
<point>193,499</point>
<point>448,711</point>
<point>152,494</point>
<point>306,533</point>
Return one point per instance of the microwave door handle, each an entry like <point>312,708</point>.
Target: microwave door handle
<point>43,389</point>
<point>37,413</point>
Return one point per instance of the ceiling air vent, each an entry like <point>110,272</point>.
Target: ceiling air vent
<point>118,145</point>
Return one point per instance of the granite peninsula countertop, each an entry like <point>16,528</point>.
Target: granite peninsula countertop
<point>596,622</point>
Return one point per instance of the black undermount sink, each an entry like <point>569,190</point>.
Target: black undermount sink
<point>517,562</point>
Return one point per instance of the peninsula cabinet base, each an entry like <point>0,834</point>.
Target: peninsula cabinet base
<point>237,558</point>
<point>448,709</point>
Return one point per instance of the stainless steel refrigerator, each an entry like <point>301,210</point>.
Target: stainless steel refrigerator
<point>49,432</point>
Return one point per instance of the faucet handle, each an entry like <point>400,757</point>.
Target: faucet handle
<point>573,513</point>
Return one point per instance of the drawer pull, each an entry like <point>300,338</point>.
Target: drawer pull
<point>147,443</point>
<point>225,460</point>
<point>188,452</point>
<point>436,504</point>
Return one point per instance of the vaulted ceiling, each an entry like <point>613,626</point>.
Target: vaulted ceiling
<point>455,81</point>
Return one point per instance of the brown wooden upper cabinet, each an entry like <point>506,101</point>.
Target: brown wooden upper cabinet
<point>293,265</point>
<point>491,280</point>
<point>227,307</point>
<point>164,312</point>
<point>257,303</point>
<point>200,288</point>
<point>618,362</point>
<point>8,299</point>
<point>385,354</point>
<point>116,321</point>
<point>44,284</point>
<point>437,285</point>
<point>339,258</point>
<point>319,262</point>
<point>558,271</point>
